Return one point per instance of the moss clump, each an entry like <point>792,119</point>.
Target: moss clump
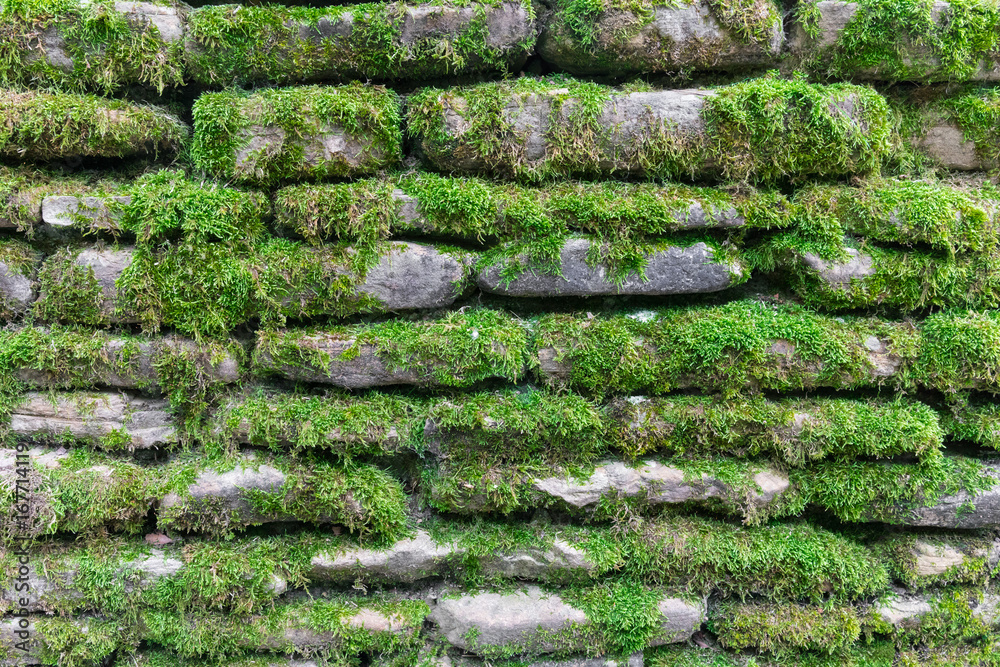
<point>47,126</point>
<point>903,551</point>
<point>77,642</point>
<point>166,204</point>
<point>275,135</point>
<point>776,627</point>
<point>514,426</point>
<point>347,426</point>
<point>107,48</point>
<point>740,346</point>
<point>796,431</point>
<point>973,420</point>
<point>23,189</point>
<point>986,654</point>
<point>863,491</point>
<point>69,291</point>
<point>947,217</point>
<point>959,350</point>
<point>907,40</point>
<point>623,614</point>
<point>233,44</point>
<point>953,617</point>
<point>457,349</point>
<point>977,114</point>
<point>876,654</point>
<point>821,130</point>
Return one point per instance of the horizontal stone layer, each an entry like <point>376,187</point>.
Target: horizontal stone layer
<point>399,40</point>
<point>667,269</point>
<point>655,37</point>
<point>85,493</point>
<point>535,129</point>
<point>864,40</point>
<point>137,43</point>
<point>59,126</point>
<point>456,350</point>
<point>291,134</point>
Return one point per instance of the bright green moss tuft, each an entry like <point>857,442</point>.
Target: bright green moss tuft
<point>81,46</point>
<point>975,421</point>
<point>277,135</point>
<point>69,292</point>
<point>234,44</point>
<point>47,126</point>
<point>876,654</point>
<point>796,431</point>
<point>78,643</point>
<point>959,350</point>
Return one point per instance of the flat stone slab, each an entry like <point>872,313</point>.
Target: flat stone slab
<point>478,37</point>
<point>826,52</point>
<point>292,134</point>
<point>947,145</point>
<point>671,270</point>
<point>532,622</point>
<point>18,279</point>
<point>89,270</point>
<point>86,213</point>
<point>411,276</point>
<point>670,38</point>
<point>106,420</point>
<point>962,509</point>
<point>84,127</point>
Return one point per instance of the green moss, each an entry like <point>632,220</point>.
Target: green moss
<point>957,655</point>
<point>796,431</point>
<point>876,654</point>
<point>975,421</point>
<point>18,260</point>
<point>977,114</point>
<point>22,190</point>
<point>490,428</point>
<point>959,350</point>
<point>907,40</point>
<point>457,349</point>
<point>777,627</point>
<point>166,204</point>
<point>743,345</point>
<point>46,126</point>
<point>863,491</point>
<point>69,292</point>
<point>108,50</point>
<point>225,124</point>
<point>623,613</point>
<point>766,129</point>
<point>348,426</point>
<point>947,217</point>
<point>952,618</point>
<point>77,643</point>
<point>242,45</point>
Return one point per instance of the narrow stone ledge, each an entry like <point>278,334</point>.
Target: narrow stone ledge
<point>92,213</point>
<point>84,126</point>
<point>962,509</point>
<point>918,57</point>
<point>537,129</point>
<point>456,350</point>
<point>533,622</point>
<point>19,264</point>
<point>283,45</point>
<point>660,38</point>
<point>670,270</point>
<point>292,134</point>
<point>920,560</point>
<point>105,420</point>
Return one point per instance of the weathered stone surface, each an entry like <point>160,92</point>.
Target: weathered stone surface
<point>934,559</point>
<point>80,126</point>
<point>412,276</point>
<point>478,37</point>
<point>658,484</point>
<point>673,37</point>
<point>292,134</point>
<point>962,509</point>
<point>534,622</point>
<point>84,212</point>
<point>634,660</point>
<point>118,420</point>
<point>17,284</point>
<point>946,144</point>
<point>130,363</point>
<point>92,268</point>
<point>903,611</point>
<point>671,270</point>
<point>19,643</point>
<point>840,275</point>
<point>407,560</point>
<point>919,59</point>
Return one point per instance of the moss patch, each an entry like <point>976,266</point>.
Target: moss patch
<point>777,627</point>
<point>47,126</point>
<point>287,124</point>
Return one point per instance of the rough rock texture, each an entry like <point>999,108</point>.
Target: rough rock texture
<point>532,621</point>
<point>413,275</point>
<point>89,214</point>
<point>90,267</point>
<point>658,484</point>
<point>338,46</point>
<point>840,275</point>
<point>126,363</point>
<point>17,286</point>
<point>946,144</point>
<point>919,61</point>
<point>962,509</point>
<point>670,270</point>
<point>673,37</point>
<point>118,420</point>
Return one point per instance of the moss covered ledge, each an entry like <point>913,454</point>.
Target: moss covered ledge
<point>55,126</point>
<point>293,134</point>
<point>234,44</point>
<point>537,129</point>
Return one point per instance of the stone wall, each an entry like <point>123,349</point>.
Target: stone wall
<point>499,333</point>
